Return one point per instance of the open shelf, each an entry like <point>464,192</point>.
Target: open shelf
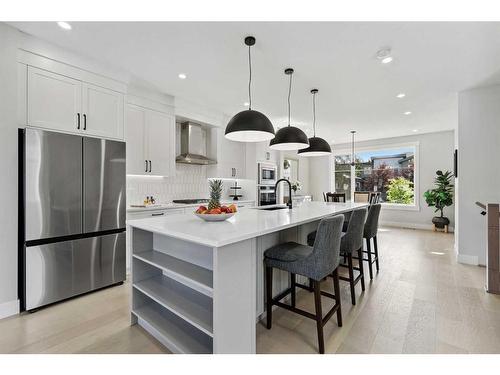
<point>193,307</point>
<point>173,332</point>
<point>191,275</point>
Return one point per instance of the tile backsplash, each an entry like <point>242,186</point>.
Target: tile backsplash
<point>190,181</point>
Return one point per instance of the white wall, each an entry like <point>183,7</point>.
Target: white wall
<point>320,176</point>
<point>303,170</point>
<point>8,166</point>
<point>478,173</point>
<point>435,152</point>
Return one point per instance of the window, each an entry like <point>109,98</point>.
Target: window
<point>388,170</point>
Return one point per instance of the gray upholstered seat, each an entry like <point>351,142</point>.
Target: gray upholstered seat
<point>352,240</point>
<point>314,262</point>
<point>371,225</point>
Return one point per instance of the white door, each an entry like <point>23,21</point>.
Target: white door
<point>160,142</point>
<point>135,134</point>
<point>54,101</point>
<point>102,112</point>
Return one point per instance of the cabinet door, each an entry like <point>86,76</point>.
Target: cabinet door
<point>135,137</point>
<point>160,135</point>
<point>102,111</point>
<point>54,101</point>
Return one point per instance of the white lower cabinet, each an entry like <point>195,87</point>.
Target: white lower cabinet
<point>150,137</point>
<point>61,103</point>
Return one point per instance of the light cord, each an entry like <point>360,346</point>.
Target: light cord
<point>250,79</point>
<point>289,93</point>
<point>314,113</point>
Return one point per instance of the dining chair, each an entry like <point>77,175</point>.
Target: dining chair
<point>362,196</point>
<point>335,197</point>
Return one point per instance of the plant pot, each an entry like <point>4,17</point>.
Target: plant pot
<point>440,222</point>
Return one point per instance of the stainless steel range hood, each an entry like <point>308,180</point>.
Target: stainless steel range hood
<point>193,145</point>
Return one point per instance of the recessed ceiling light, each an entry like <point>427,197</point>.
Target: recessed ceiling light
<point>400,95</point>
<point>415,130</point>
<point>384,55</point>
<point>246,104</point>
<point>64,25</point>
<point>182,76</point>
<point>407,113</point>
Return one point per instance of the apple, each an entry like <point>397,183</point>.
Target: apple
<point>215,211</point>
<point>201,210</point>
<point>233,208</point>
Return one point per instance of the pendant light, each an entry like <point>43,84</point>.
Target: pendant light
<point>249,125</point>
<point>353,162</point>
<point>289,137</point>
<point>317,146</point>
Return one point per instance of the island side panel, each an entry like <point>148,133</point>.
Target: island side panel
<point>234,299</point>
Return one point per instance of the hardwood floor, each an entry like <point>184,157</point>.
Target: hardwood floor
<point>422,301</point>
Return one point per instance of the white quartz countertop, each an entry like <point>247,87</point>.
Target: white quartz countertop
<point>245,224</point>
<point>168,206</point>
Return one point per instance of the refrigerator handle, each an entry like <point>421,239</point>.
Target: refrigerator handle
<point>78,121</point>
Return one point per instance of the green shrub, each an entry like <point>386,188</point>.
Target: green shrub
<point>400,190</point>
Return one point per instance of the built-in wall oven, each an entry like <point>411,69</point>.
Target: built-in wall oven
<point>266,195</point>
<point>268,174</point>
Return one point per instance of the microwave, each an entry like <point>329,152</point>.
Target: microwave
<point>268,174</point>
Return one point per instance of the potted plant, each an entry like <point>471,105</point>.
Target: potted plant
<point>296,186</point>
<point>440,197</point>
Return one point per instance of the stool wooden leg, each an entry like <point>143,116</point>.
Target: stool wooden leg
<point>336,289</point>
<point>361,270</point>
<point>369,250</point>
<point>319,315</point>
<point>269,296</point>
<point>375,245</point>
<point>351,278</point>
<point>293,282</point>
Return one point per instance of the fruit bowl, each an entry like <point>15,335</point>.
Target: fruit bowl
<point>215,217</point>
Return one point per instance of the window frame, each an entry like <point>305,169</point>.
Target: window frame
<point>380,147</point>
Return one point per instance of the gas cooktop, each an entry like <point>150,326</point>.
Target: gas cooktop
<point>190,201</point>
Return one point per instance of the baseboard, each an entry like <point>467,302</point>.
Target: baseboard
<point>399,224</point>
<point>468,259</point>
<point>9,308</point>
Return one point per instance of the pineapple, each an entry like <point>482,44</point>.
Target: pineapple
<point>215,194</point>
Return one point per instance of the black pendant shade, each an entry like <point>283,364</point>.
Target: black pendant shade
<point>317,146</point>
<point>289,137</point>
<point>249,125</point>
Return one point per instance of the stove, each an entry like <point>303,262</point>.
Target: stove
<point>190,201</point>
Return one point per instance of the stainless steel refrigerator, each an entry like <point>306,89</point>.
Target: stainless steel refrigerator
<point>71,215</point>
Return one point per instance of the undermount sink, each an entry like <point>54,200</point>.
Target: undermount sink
<point>272,208</point>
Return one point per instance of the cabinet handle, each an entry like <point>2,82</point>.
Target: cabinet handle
<point>146,166</point>
<point>78,121</point>
<point>158,214</point>
<point>150,166</point>
<point>84,121</point>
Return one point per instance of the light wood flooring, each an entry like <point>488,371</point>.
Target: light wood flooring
<point>422,301</point>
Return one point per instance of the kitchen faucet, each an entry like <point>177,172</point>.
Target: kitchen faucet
<point>289,204</point>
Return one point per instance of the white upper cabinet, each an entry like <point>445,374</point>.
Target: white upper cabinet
<point>161,143</point>
<point>102,111</point>
<point>135,130</point>
<point>150,137</point>
<point>61,103</point>
<point>230,157</point>
<point>54,101</point>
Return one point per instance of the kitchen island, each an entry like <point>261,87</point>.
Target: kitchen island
<point>198,287</point>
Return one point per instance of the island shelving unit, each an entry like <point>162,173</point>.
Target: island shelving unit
<point>198,287</point>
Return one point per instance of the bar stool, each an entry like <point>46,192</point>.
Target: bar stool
<point>316,263</point>
<point>370,231</point>
<point>352,241</point>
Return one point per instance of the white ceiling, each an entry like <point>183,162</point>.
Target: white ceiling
<point>432,62</point>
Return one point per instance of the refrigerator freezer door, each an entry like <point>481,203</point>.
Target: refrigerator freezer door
<point>53,184</point>
<point>65,269</point>
<point>103,185</point>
